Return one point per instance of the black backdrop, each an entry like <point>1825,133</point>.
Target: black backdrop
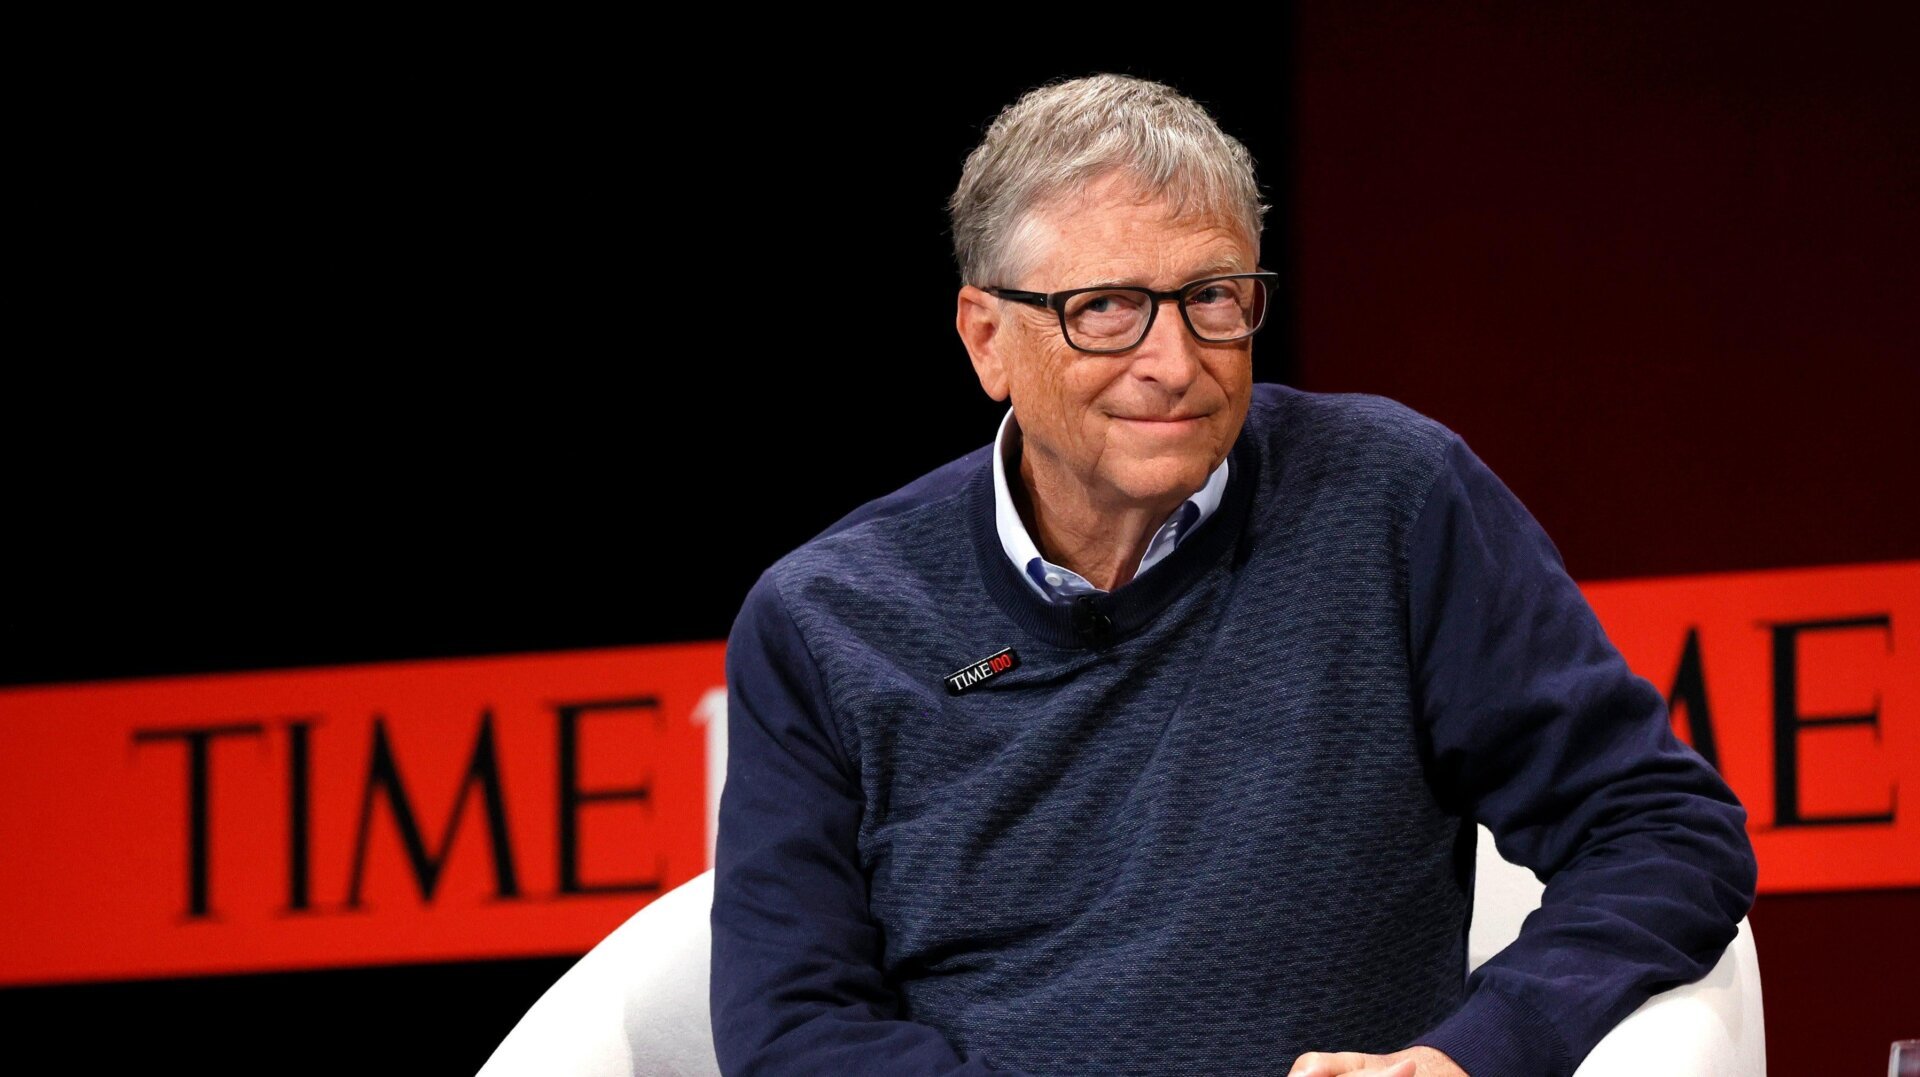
<point>411,355</point>
<point>449,341</point>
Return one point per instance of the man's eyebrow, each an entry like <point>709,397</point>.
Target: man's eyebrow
<point>1220,267</point>
<point>1215,268</point>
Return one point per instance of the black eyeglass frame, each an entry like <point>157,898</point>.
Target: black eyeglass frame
<point>1057,302</point>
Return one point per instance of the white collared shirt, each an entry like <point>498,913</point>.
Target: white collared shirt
<point>1056,583</point>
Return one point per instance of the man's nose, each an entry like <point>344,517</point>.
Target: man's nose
<point>1169,354</point>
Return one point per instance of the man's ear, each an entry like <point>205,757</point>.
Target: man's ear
<point>978,320</point>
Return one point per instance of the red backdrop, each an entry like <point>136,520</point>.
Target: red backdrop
<point>1657,266</point>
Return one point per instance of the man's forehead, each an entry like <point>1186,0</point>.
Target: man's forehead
<point>1117,236</point>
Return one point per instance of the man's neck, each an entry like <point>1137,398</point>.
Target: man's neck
<point>1104,544</point>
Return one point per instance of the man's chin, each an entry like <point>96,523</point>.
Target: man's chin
<point>1161,431</point>
<point>1161,482</point>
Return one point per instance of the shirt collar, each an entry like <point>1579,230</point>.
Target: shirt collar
<point>1055,583</point>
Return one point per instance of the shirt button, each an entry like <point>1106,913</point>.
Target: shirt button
<point>1053,579</point>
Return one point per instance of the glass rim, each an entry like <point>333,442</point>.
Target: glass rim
<point>1057,302</point>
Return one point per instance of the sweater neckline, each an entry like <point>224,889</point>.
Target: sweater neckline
<point>1130,607</point>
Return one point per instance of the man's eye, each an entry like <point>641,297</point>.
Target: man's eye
<point>1212,293</point>
<point>1106,303</point>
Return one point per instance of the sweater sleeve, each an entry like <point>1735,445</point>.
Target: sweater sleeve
<point>796,982</point>
<point>1535,727</point>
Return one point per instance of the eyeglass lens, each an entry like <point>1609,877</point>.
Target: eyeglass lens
<point>1116,318</point>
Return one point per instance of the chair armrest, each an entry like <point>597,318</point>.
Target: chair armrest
<point>636,1003</point>
<point>1709,1028</point>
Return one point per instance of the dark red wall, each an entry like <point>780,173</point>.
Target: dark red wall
<point>1658,266</point>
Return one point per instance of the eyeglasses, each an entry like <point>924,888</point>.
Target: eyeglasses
<point>1103,320</point>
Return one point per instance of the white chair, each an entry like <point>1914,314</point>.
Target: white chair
<point>637,1004</point>
<point>1708,1028</point>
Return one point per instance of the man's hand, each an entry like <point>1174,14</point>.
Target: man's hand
<point>1412,1062</point>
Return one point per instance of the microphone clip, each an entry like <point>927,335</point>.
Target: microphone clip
<point>1091,623</point>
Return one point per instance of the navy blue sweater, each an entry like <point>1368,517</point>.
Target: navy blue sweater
<point>1224,815</point>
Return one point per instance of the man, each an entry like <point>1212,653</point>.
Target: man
<point>1151,739</point>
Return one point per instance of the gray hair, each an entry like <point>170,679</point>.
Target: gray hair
<point>1057,140</point>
